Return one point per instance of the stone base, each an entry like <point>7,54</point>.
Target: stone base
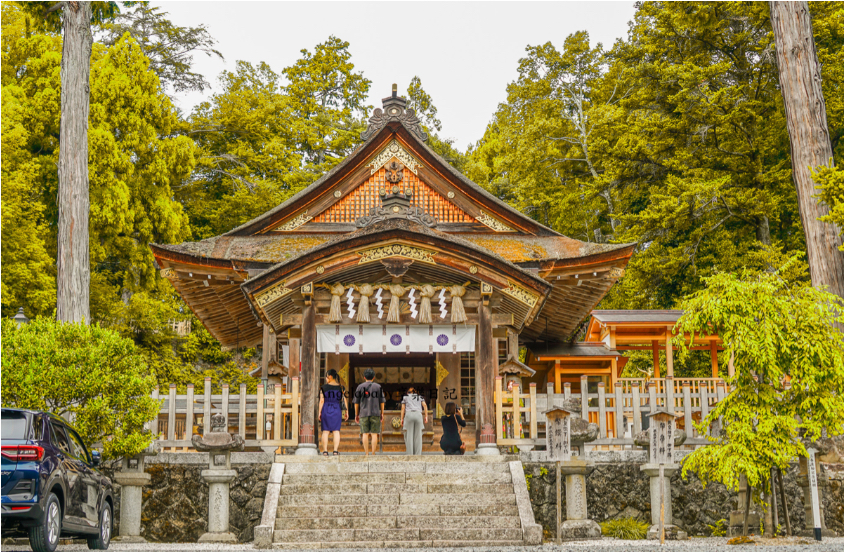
<point>306,449</point>
<point>218,537</point>
<point>810,532</point>
<point>670,531</point>
<point>128,539</point>
<point>574,530</point>
<point>487,449</point>
<point>735,523</point>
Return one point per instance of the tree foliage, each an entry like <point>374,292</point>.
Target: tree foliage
<point>788,381</point>
<point>88,372</point>
<point>170,48</point>
<point>674,139</point>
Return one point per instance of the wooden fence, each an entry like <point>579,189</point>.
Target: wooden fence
<point>619,413</point>
<point>268,419</point>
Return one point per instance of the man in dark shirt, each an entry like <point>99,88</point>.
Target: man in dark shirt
<point>369,409</point>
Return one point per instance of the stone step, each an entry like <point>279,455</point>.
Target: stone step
<point>434,458</point>
<point>393,488</point>
<point>349,535</point>
<point>338,499</point>
<point>458,499</point>
<point>289,511</point>
<point>470,534</point>
<point>328,479</point>
<point>460,537</point>
<point>486,545</point>
<point>385,522</point>
<point>484,478</point>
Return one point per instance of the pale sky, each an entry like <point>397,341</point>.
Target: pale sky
<point>465,53</point>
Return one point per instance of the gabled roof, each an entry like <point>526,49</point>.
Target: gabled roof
<point>360,156</point>
<point>610,316</point>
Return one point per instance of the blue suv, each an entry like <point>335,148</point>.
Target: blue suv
<point>50,485</point>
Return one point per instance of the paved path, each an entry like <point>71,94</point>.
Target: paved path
<point>606,544</point>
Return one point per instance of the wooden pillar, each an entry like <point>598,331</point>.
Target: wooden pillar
<point>513,344</point>
<point>485,369</point>
<point>714,360</point>
<point>558,389</point>
<point>670,372</point>
<point>731,364</point>
<point>309,374</point>
<point>655,353</point>
<point>265,352</point>
<point>293,357</point>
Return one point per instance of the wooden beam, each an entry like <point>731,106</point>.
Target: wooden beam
<point>655,354</point>
<point>714,361</point>
<point>498,319</point>
<point>310,368</point>
<point>670,372</point>
<point>485,371</point>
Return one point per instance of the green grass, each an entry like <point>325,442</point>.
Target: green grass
<point>625,529</point>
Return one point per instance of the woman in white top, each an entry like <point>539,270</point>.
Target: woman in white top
<point>414,416</point>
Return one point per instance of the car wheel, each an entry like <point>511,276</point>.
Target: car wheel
<point>103,538</point>
<point>45,536</point>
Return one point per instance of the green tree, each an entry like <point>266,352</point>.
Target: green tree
<point>829,181</point>
<point>88,372</point>
<point>328,100</point>
<point>788,381</point>
<point>422,104</point>
<point>261,142</point>
<point>170,48</point>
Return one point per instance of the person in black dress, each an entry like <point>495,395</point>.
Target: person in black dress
<point>451,441</point>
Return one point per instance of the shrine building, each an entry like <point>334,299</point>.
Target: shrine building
<point>395,260</point>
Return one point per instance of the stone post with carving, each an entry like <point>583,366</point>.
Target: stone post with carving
<point>564,427</point>
<point>661,441</point>
<point>219,444</point>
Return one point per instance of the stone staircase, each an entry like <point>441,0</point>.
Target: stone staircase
<point>398,501</point>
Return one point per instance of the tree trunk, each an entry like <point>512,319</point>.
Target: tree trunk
<point>809,140</point>
<point>72,263</point>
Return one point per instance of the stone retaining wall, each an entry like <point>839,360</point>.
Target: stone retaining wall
<point>620,490</point>
<point>175,504</point>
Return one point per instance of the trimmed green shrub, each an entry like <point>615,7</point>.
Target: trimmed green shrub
<point>625,529</point>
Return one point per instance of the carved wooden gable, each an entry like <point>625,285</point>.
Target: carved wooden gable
<point>358,202</point>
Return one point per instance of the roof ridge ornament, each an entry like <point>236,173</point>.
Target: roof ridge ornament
<point>393,109</point>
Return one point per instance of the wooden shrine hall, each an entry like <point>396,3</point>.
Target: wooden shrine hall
<point>396,261</point>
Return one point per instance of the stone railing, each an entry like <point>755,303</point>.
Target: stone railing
<point>619,413</point>
<point>265,419</point>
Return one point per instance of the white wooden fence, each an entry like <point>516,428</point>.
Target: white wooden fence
<point>268,419</point>
<point>618,412</point>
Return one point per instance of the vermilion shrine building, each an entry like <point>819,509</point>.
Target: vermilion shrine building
<point>395,260</point>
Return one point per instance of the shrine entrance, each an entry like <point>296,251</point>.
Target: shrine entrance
<point>396,373</point>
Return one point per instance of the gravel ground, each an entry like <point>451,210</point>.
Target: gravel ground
<point>606,544</point>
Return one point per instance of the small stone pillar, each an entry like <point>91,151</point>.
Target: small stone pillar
<point>661,449</point>
<point>804,482</point>
<point>563,426</point>
<point>219,444</point>
<point>132,480</point>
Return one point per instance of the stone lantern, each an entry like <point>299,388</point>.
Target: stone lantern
<point>563,426</point>
<point>662,440</point>
<point>219,444</point>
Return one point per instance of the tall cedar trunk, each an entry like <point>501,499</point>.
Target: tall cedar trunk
<point>72,262</point>
<point>809,141</point>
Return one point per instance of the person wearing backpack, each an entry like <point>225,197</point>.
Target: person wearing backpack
<point>369,409</point>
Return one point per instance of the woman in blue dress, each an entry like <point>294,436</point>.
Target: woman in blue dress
<point>331,397</point>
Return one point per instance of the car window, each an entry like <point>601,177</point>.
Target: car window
<point>80,451</point>
<point>14,425</point>
<point>37,427</point>
<point>60,439</point>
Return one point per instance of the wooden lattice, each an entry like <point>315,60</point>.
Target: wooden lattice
<point>358,202</point>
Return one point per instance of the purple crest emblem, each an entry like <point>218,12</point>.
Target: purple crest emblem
<point>442,340</point>
<point>349,340</point>
<point>395,339</point>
